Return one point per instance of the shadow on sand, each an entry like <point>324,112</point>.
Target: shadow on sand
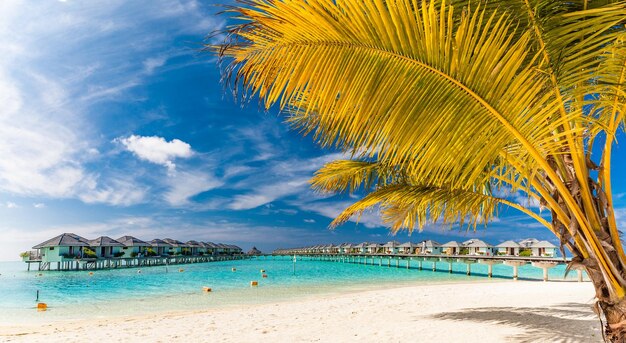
<point>566,323</point>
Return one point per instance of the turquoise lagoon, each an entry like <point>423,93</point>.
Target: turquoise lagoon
<point>74,295</point>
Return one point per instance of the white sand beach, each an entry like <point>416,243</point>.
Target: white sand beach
<point>490,311</point>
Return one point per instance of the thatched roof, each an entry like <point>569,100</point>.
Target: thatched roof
<point>430,244</point>
<point>528,242</point>
<point>159,243</point>
<point>174,243</point>
<point>64,240</point>
<point>476,243</point>
<point>408,245</point>
<point>543,244</point>
<point>104,241</point>
<point>131,241</point>
<point>508,244</point>
<point>254,251</point>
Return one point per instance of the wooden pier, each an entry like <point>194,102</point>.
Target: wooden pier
<point>67,264</point>
<point>417,260</point>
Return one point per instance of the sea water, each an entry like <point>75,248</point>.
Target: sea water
<point>74,295</point>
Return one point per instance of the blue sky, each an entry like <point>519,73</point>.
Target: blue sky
<point>113,122</point>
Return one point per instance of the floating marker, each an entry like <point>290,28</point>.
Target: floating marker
<point>262,270</point>
<point>90,273</point>
<point>181,270</point>
<point>139,271</point>
<point>40,274</point>
<point>42,306</point>
<point>234,269</point>
<point>264,275</point>
<point>254,283</point>
<point>206,289</point>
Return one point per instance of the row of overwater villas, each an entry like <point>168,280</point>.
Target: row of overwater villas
<point>71,246</point>
<point>527,247</point>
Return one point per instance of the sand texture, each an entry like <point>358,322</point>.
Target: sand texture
<point>499,311</point>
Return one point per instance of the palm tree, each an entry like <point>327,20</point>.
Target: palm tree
<point>444,105</point>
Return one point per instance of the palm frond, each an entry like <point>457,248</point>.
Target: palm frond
<point>408,207</point>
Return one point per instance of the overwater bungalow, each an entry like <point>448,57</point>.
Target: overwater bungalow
<point>345,248</point>
<point>451,248</point>
<point>373,248</point>
<point>509,248</point>
<point>361,248</point>
<point>391,247</point>
<point>195,248</point>
<point>63,246</point>
<point>160,247</point>
<point>407,248</point>
<point>106,247</point>
<point>429,247</point>
<point>176,246</point>
<point>133,246</point>
<point>543,249</point>
<point>211,248</point>
<point>478,247</point>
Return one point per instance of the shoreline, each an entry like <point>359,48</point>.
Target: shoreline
<point>490,311</point>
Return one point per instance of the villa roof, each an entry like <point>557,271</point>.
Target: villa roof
<point>104,241</point>
<point>391,244</point>
<point>210,245</point>
<point>451,244</point>
<point>528,242</point>
<point>254,251</point>
<point>408,245</point>
<point>195,244</point>
<point>476,243</point>
<point>374,245</point>
<point>64,240</point>
<point>131,241</point>
<point>221,246</point>
<point>508,244</point>
<point>543,244</point>
<point>361,245</point>
<point>430,243</point>
<point>159,243</point>
<point>174,243</point>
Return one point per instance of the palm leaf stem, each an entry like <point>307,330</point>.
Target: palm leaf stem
<point>577,157</point>
<point>531,214</point>
<point>605,171</point>
<point>580,172</point>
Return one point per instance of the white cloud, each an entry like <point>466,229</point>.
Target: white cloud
<point>152,63</point>
<point>39,205</point>
<point>10,204</point>
<point>310,221</point>
<point>268,193</point>
<point>184,185</point>
<point>156,149</point>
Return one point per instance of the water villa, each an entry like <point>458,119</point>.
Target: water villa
<point>540,254</point>
<point>69,251</point>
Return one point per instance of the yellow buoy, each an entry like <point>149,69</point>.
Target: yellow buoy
<point>90,273</point>
<point>264,275</point>
<point>181,270</point>
<point>206,289</point>
<point>254,283</point>
<point>42,306</point>
<point>234,269</point>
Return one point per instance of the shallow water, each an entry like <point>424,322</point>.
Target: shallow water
<point>76,294</point>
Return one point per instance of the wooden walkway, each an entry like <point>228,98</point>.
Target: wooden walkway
<point>130,262</point>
